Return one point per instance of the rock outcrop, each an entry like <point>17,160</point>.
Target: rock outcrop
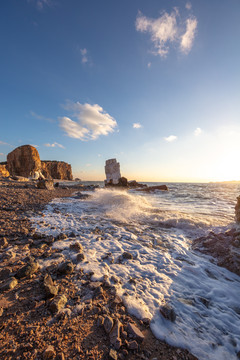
<point>57,170</point>
<point>112,170</point>
<point>3,170</point>
<point>237,210</point>
<point>24,161</point>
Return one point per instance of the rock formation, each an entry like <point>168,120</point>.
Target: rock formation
<point>57,170</point>
<point>237,210</point>
<point>112,170</point>
<point>24,161</point>
<point>3,170</point>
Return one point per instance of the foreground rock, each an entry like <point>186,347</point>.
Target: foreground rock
<point>45,184</point>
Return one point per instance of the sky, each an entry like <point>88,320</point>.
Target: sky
<point>154,84</point>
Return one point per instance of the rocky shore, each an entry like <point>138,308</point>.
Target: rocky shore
<point>56,312</point>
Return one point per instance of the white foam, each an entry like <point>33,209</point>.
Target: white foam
<point>163,269</point>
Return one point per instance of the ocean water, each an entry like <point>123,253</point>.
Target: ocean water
<point>158,229</point>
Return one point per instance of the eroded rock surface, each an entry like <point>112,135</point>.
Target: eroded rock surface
<point>24,161</point>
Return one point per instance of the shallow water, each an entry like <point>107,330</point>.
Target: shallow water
<point>157,229</point>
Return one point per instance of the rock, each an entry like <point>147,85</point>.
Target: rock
<point>133,345</point>
<point>3,170</point>
<point>3,243</point>
<point>135,332</point>
<point>127,255</point>
<point>237,210</point>
<point>27,270</point>
<point>62,236</point>
<point>57,170</point>
<point>45,184</point>
<point>49,353</point>
<point>76,247</point>
<point>50,288</point>
<point>1,311</point>
<point>113,354</point>
<point>134,184</point>
<point>153,188</point>
<point>9,284</point>
<point>112,171</point>
<point>58,303</point>
<point>23,161</point>
<point>66,268</point>
<point>168,312</point>
<point>115,335</point>
<point>108,324</point>
<point>80,257</point>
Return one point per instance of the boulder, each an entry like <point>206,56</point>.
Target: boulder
<point>45,184</point>
<point>3,170</point>
<point>57,170</point>
<point>23,161</point>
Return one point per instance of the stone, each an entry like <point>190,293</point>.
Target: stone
<point>57,170</point>
<point>237,210</point>
<point>113,354</point>
<point>23,161</point>
<point>80,257</point>
<point>127,255</point>
<point>58,303</point>
<point>27,270</point>
<point>154,188</point>
<point>133,345</point>
<point>112,171</point>
<point>168,312</point>
<point>3,243</point>
<point>62,236</point>
<point>50,288</point>
<point>135,332</point>
<point>76,247</point>
<point>114,335</point>
<point>45,184</point>
<point>49,353</point>
<point>66,268</point>
<point>9,284</point>
<point>3,170</point>
<point>108,324</point>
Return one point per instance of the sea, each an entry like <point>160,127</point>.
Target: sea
<point>157,229</point>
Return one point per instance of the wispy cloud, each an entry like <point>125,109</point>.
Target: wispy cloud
<point>84,54</point>
<point>40,117</point>
<point>168,29</point>
<point>91,121</point>
<point>188,6</point>
<point>4,143</point>
<point>197,131</point>
<point>137,125</point>
<point>40,4</point>
<point>149,65</point>
<point>170,138</point>
<point>55,144</point>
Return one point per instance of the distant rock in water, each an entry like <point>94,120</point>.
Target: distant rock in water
<point>25,161</point>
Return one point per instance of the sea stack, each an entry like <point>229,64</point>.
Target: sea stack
<point>112,171</point>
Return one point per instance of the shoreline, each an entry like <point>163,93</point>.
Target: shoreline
<point>28,326</point>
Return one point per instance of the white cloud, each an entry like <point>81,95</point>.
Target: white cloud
<point>91,121</point>
<point>188,37</point>
<point>40,117</point>
<point>170,138</point>
<point>149,64</point>
<point>84,55</point>
<point>188,6</point>
<point>197,131</point>
<point>55,144</point>
<point>168,29</point>
<point>137,125</point>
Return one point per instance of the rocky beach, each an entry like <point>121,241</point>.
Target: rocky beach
<point>58,312</point>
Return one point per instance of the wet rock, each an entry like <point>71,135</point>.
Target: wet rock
<point>168,312</point>
<point>49,353</point>
<point>58,303</point>
<point>115,335</point>
<point>135,332</point>
<point>108,324</point>
<point>133,345</point>
<point>9,284</point>
<point>45,184</point>
<point>127,255</point>
<point>80,257</point>
<point>27,270</point>
<point>62,236</point>
<point>3,243</point>
<point>113,354</point>
<point>66,268</point>
<point>50,288</point>
<point>4,274</point>
<point>76,247</point>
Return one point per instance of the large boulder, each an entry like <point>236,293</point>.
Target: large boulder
<point>24,161</point>
<point>57,170</point>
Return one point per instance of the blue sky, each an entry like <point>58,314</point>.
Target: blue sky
<point>155,84</point>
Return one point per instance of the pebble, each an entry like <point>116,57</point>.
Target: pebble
<point>49,353</point>
<point>66,268</point>
<point>58,303</point>
<point>108,324</point>
<point>50,288</point>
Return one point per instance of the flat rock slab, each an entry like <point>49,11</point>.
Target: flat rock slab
<point>135,332</point>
